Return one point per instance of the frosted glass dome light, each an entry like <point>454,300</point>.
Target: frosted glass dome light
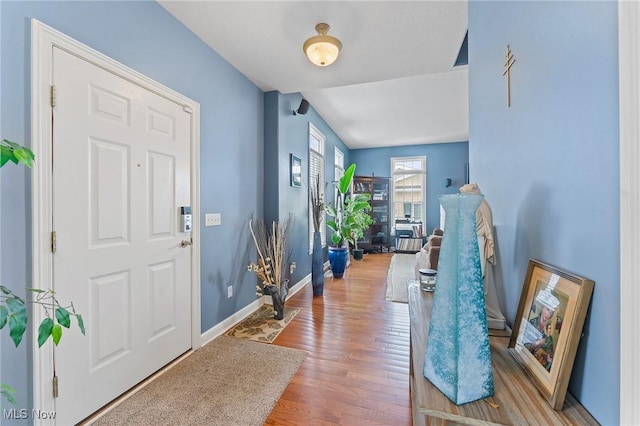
<point>322,49</point>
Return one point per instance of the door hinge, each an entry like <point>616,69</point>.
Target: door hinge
<point>55,386</point>
<point>53,96</point>
<point>54,242</point>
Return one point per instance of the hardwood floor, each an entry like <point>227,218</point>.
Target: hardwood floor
<point>357,370</point>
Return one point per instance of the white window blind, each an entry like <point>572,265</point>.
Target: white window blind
<point>338,170</point>
<point>316,167</point>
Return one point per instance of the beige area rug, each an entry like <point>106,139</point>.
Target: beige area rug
<point>260,325</point>
<point>401,270</point>
<point>226,382</point>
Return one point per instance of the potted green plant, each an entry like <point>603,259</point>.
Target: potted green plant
<point>361,221</point>
<point>343,213</point>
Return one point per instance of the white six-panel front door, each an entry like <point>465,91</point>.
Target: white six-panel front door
<point>121,171</point>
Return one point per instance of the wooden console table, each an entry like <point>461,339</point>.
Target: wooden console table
<point>516,400</point>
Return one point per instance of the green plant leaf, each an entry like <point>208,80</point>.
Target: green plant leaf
<point>7,393</point>
<point>360,206</point>
<point>62,315</point>
<point>80,323</point>
<point>361,197</point>
<point>331,210</point>
<point>11,151</point>
<point>14,146</point>
<point>44,331</point>
<point>17,319</point>
<point>345,180</point>
<point>4,312</point>
<point>17,327</point>
<point>16,306</point>
<point>13,296</point>
<point>5,290</point>
<point>56,334</point>
<point>35,290</point>
<point>24,156</point>
<point>6,154</point>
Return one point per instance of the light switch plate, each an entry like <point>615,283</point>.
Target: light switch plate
<point>212,219</point>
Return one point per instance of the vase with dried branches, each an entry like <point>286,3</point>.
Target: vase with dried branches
<point>317,261</point>
<point>272,245</point>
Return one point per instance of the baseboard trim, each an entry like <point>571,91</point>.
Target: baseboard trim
<point>224,325</point>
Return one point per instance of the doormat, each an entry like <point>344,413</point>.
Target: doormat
<point>260,325</point>
<point>213,386</point>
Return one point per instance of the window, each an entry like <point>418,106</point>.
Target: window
<point>316,167</point>
<point>338,163</point>
<point>409,188</point>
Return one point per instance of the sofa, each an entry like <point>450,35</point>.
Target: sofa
<point>427,257</point>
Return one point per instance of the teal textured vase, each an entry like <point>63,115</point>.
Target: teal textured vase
<point>458,357</point>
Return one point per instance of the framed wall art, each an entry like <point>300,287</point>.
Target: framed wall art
<point>296,171</point>
<point>548,326</point>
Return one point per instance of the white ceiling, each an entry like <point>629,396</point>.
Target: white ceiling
<point>393,84</point>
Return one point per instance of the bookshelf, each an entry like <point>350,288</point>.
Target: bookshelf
<point>376,238</point>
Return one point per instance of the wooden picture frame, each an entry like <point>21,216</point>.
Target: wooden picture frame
<point>548,326</point>
<point>295,171</point>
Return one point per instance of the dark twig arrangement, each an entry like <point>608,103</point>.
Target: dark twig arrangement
<point>272,245</point>
<point>317,204</point>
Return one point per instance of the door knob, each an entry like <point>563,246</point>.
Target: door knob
<point>185,243</point>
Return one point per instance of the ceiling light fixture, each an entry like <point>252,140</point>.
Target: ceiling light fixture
<point>322,49</point>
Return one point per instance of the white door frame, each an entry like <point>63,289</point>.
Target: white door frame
<point>629,92</point>
<point>43,39</point>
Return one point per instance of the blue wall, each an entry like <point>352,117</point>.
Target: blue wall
<point>145,37</point>
<point>549,164</point>
<point>444,160</point>
<point>290,135</point>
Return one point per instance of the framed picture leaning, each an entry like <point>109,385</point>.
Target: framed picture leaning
<point>548,326</point>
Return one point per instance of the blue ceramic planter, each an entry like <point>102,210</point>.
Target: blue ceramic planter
<point>338,257</point>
